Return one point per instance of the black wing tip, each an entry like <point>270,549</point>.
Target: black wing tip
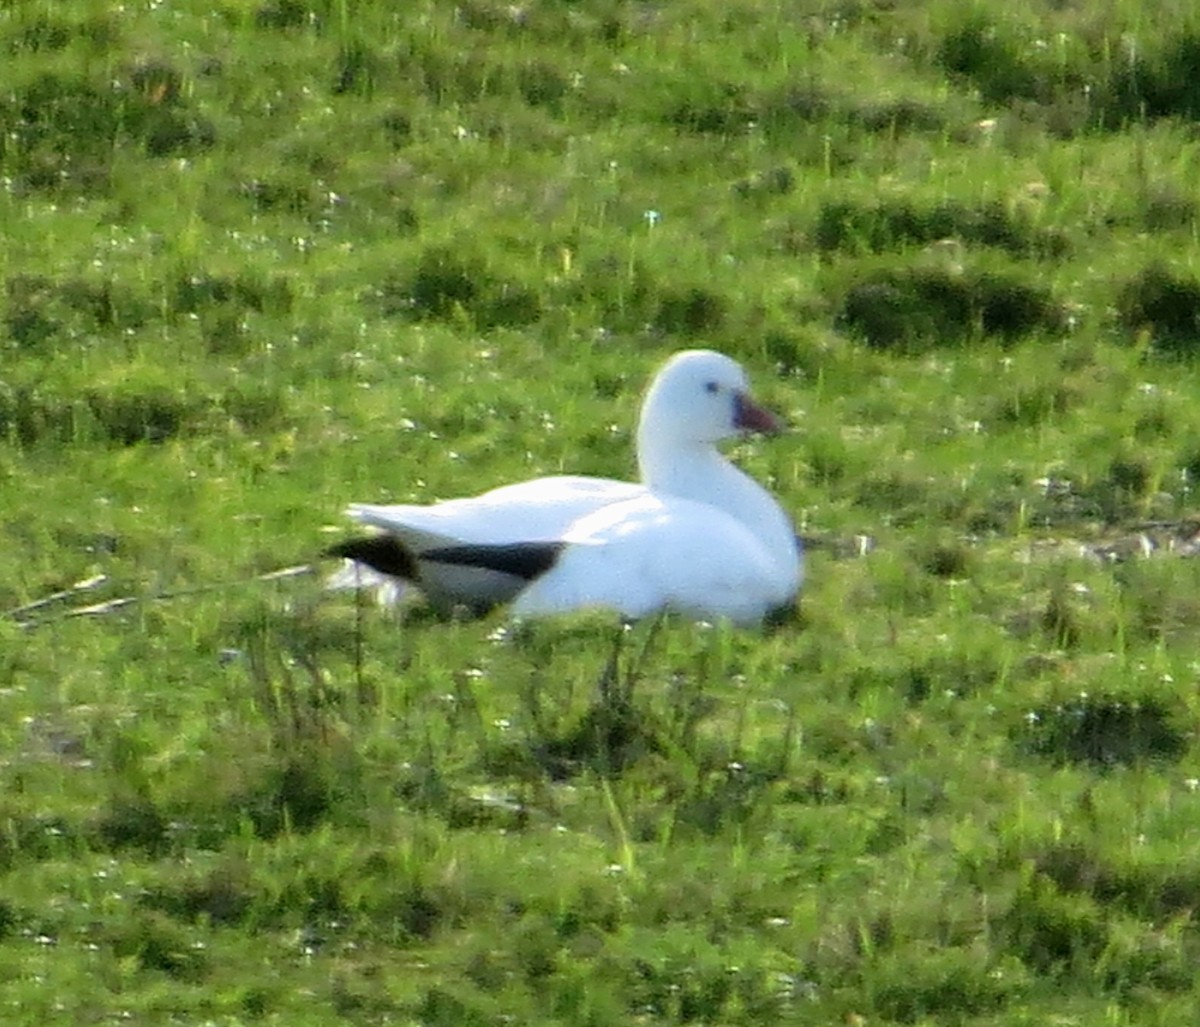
<point>525,560</point>
<point>383,553</point>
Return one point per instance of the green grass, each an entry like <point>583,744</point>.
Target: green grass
<point>260,259</point>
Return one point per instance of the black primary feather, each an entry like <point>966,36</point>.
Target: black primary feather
<point>382,553</point>
<point>525,560</point>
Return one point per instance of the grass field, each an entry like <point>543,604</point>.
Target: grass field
<point>264,257</point>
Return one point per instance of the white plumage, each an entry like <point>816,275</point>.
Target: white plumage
<point>696,536</point>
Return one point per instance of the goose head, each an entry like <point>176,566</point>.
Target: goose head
<point>699,398</point>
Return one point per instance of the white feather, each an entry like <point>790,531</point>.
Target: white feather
<point>696,535</point>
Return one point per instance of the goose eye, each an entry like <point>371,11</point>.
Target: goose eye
<point>712,387</point>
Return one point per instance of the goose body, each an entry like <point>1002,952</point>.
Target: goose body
<point>696,535</point>
<point>659,552</point>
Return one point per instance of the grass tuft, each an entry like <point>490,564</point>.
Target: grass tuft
<point>947,983</point>
<point>691,313</point>
<point>608,739</point>
<point>284,14</point>
<point>1164,303</point>
<point>849,227</point>
<point>1103,731</point>
<point>133,822</point>
<point>1106,81</point>
<point>447,285</point>
<point>154,943</point>
<point>223,895</point>
<point>910,309</point>
<point>1052,932</point>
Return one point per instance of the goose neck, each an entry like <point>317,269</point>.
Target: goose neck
<point>680,469</point>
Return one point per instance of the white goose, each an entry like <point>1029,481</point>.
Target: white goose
<point>697,536</point>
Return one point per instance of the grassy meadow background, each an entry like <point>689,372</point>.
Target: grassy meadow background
<point>264,257</point>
